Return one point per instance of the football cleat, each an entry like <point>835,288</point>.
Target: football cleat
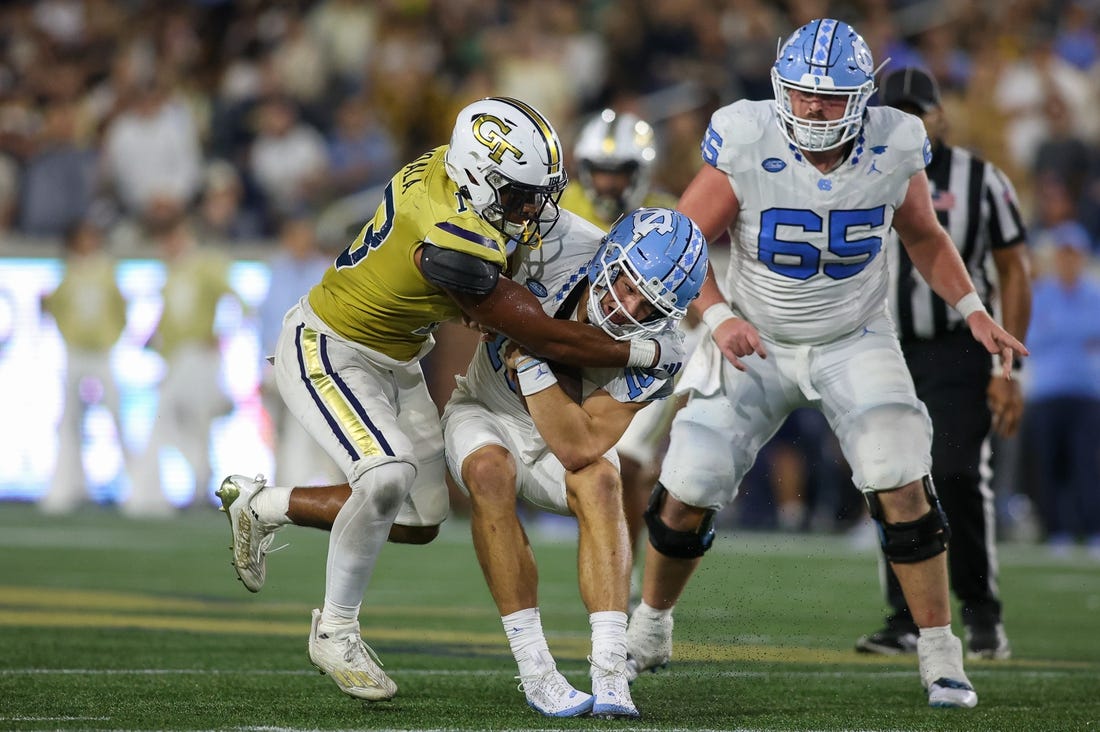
<point>611,693</point>
<point>987,642</point>
<point>251,537</point>
<point>941,672</point>
<point>648,643</point>
<point>351,663</point>
<point>551,695</point>
<point>890,641</point>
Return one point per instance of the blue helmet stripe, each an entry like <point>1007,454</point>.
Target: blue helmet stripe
<point>823,47</point>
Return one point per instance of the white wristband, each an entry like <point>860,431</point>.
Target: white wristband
<point>969,304</point>
<point>643,353</point>
<point>717,314</point>
<point>534,376</point>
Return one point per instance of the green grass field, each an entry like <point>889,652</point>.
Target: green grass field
<point>110,624</point>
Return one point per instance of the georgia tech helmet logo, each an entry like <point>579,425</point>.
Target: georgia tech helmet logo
<point>490,131</point>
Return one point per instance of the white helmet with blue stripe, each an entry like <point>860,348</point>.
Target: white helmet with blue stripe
<point>825,57</point>
<point>663,254</point>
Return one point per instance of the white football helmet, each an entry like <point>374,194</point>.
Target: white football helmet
<point>825,57</point>
<point>616,143</point>
<point>507,161</point>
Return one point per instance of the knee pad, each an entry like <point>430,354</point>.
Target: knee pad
<point>384,485</point>
<point>909,542</point>
<point>674,543</point>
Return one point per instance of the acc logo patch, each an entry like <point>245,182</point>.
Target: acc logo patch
<point>536,288</point>
<point>773,165</point>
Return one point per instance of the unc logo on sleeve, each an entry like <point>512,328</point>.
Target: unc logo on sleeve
<point>773,165</point>
<point>648,220</point>
<point>490,131</point>
<point>537,288</point>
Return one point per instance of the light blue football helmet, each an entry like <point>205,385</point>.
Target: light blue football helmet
<point>825,56</point>
<point>663,254</point>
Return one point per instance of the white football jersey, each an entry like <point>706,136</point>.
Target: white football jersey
<point>808,264</point>
<point>557,274</point>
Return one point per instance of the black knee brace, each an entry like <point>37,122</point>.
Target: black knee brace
<point>913,541</point>
<point>673,543</point>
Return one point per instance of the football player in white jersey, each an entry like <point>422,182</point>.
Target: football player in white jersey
<point>615,156</point>
<point>347,361</point>
<point>513,430</point>
<point>808,185</point>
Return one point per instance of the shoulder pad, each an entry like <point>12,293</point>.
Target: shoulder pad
<point>454,270</point>
<point>733,128</point>
<point>902,137</point>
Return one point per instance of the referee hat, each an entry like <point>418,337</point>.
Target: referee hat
<point>910,85</point>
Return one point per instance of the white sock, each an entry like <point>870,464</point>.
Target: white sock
<point>271,504</point>
<point>651,613</point>
<point>338,617</point>
<point>941,631</point>
<point>608,638</point>
<point>525,636</point>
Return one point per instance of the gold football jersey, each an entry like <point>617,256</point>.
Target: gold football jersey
<point>374,294</point>
<point>88,306</point>
<point>576,199</point>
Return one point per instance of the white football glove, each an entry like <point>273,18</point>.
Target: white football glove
<point>671,354</point>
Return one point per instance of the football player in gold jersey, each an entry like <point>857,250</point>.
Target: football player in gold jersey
<point>614,156</point>
<point>347,360</point>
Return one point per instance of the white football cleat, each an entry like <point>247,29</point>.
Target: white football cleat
<point>251,537</point>
<point>611,692</point>
<point>551,695</point>
<point>351,663</point>
<point>941,672</point>
<point>648,642</point>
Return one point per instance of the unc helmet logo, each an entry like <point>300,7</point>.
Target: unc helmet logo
<point>862,56</point>
<point>490,132</point>
<point>647,220</point>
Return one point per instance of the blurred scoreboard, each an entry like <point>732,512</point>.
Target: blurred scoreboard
<point>32,364</point>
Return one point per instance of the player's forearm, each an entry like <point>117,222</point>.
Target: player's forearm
<point>1014,276</point>
<point>568,431</point>
<point>709,294</point>
<point>573,343</point>
<point>939,263</point>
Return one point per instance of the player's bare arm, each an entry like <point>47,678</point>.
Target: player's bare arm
<point>1005,396</point>
<point>938,261</point>
<point>578,434</point>
<point>710,201</point>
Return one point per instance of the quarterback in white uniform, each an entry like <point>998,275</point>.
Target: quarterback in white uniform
<point>513,430</point>
<point>808,186</point>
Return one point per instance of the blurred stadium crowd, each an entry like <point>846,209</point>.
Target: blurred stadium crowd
<point>241,115</point>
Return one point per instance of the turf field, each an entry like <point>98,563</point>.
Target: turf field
<point>110,624</point>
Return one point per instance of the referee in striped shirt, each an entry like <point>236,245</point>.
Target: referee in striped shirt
<point>954,375</point>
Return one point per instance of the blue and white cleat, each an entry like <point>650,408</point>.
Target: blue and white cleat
<point>611,691</point>
<point>942,675</point>
<point>551,695</point>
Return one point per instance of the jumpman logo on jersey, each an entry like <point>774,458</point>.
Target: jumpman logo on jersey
<point>873,168</point>
<point>866,331</point>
